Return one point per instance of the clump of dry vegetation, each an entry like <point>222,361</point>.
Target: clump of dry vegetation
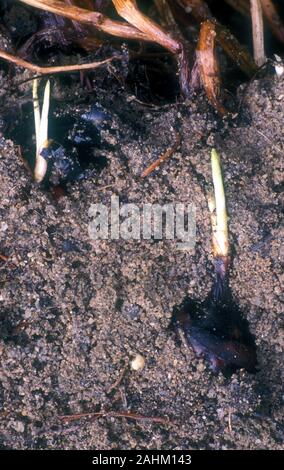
<point>187,29</point>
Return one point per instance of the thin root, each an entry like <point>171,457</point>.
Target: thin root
<point>163,157</point>
<point>115,414</point>
<point>51,70</point>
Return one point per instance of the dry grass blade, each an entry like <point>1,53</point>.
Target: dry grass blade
<point>273,18</point>
<point>208,64</point>
<point>257,32</point>
<point>128,10</point>
<point>68,11</point>
<point>81,15</point>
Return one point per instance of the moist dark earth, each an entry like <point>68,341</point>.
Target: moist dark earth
<point>74,311</point>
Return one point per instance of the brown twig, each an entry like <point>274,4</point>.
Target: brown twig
<point>115,414</point>
<point>50,70</point>
<point>163,157</point>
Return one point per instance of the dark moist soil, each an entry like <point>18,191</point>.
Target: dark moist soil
<point>74,312</point>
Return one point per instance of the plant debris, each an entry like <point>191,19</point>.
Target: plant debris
<point>54,24</point>
<point>115,414</point>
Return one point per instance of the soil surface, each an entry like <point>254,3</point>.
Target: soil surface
<point>74,311</point>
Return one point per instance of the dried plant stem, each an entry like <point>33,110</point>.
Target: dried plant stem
<point>208,64</point>
<point>128,10</point>
<point>219,218</point>
<point>93,18</point>
<point>257,32</point>
<point>51,70</point>
<point>211,33</point>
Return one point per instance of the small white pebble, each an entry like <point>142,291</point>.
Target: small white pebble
<point>138,362</point>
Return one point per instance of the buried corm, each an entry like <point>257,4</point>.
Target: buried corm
<point>215,327</point>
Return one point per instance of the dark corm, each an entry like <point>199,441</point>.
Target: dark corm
<point>215,327</point>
